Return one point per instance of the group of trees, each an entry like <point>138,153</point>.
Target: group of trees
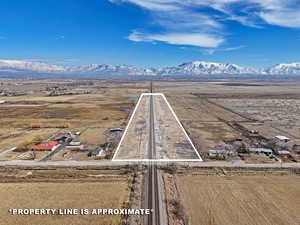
<point>27,145</point>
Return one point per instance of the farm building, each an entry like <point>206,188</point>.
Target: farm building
<point>284,152</point>
<point>261,150</point>
<point>49,146</point>
<point>213,153</point>
<point>74,143</point>
<point>64,138</point>
<point>99,152</point>
<point>282,138</point>
<point>75,147</point>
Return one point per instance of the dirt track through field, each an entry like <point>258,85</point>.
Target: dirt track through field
<point>171,141</point>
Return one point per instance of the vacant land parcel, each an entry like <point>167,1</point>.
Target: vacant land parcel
<point>214,112</point>
<point>280,114</point>
<point>61,189</point>
<point>153,112</point>
<point>235,200</point>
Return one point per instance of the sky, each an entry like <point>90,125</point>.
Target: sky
<point>151,33</point>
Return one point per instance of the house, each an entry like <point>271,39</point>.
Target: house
<point>75,147</point>
<point>74,143</point>
<point>64,138</point>
<point>282,138</point>
<point>261,150</point>
<point>99,152</point>
<point>49,146</point>
<point>253,132</point>
<point>283,152</point>
<point>296,148</point>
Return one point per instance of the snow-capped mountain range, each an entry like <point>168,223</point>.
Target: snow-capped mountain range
<point>291,68</point>
<point>190,68</point>
<point>204,68</point>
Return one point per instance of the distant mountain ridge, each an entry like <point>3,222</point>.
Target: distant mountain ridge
<point>291,68</point>
<point>20,66</point>
<point>197,68</point>
<point>204,68</point>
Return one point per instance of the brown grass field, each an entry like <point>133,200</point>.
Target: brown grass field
<point>62,189</point>
<point>93,114</point>
<point>204,108</point>
<point>61,196</point>
<point>240,200</point>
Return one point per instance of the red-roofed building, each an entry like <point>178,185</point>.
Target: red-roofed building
<point>51,145</point>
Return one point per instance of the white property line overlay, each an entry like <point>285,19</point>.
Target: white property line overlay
<point>156,160</point>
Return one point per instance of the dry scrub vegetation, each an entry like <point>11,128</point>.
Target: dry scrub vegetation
<point>62,196</point>
<point>104,106</point>
<point>235,200</point>
<point>62,189</point>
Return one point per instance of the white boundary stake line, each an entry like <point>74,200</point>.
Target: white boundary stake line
<point>157,160</point>
<point>126,129</point>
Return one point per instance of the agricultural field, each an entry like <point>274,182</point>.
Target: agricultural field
<point>93,109</point>
<point>203,120</point>
<point>58,189</point>
<point>207,111</point>
<point>20,136</point>
<point>218,112</point>
<point>280,114</point>
<point>79,116</point>
<point>256,199</point>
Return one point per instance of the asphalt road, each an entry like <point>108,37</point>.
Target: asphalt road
<point>104,163</point>
<point>152,188</point>
<point>60,147</point>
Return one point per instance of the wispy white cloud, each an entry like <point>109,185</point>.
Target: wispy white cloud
<point>245,21</point>
<point>180,23</point>
<point>282,18</point>
<point>60,37</point>
<point>189,22</point>
<point>161,5</point>
<point>193,39</point>
<point>233,48</point>
<point>211,51</point>
<point>137,36</point>
<point>52,61</point>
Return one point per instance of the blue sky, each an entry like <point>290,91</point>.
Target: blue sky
<point>147,33</point>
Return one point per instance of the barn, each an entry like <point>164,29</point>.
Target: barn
<point>49,146</point>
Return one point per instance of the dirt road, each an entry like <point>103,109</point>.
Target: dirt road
<point>154,119</point>
<point>104,163</point>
